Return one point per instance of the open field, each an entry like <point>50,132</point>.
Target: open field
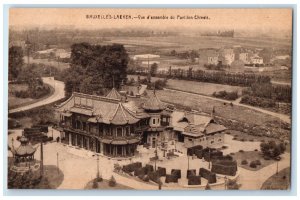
<point>183,42</point>
<point>237,113</point>
<point>280,181</point>
<point>195,87</point>
<point>58,65</point>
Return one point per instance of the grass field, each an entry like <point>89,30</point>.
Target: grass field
<point>196,87</point>
<point>242,114</point>
<point>58,65</point>
<point>182,42</point>
<point>251,156</point>
<point>280,181</point>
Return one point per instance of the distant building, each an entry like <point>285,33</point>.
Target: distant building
<point>227,55</point>
<point>244,57</point>
<point>257,60</point>
<point>212,57</point>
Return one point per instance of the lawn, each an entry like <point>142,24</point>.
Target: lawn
<point>239,136</point>
<point>15,102</point>
<point>195,87</point>
<point>104,186</point>
<point>280,181</point>
<point>251,156</point>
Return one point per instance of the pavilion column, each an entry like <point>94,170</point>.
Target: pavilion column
<point>88,143</point>
<point>70,139</point>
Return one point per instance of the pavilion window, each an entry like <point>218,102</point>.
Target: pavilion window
<point>153,121</point>
<point>119,132</point>
<point>128,131</point>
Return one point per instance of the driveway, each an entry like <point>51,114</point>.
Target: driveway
<point>59,93</point>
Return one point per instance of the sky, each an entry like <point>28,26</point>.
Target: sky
<point>238,19</point>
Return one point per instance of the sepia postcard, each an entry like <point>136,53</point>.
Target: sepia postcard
<point>150,99</point>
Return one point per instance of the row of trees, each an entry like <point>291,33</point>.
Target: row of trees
<point>220,77</point>
<point>282,93</point>
<point>94,68</point>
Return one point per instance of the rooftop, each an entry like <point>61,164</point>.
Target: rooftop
<point>102,109</point>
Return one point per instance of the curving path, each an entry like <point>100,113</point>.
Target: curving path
<point>285,118</point>
<point>59,93</point>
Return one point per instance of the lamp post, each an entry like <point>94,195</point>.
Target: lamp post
<point>225,180</point>
<point>57,163</point>
<point>98,173</point>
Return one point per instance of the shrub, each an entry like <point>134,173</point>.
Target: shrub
<point>112,182</point>
<point>171,178</point>
<point>244,162</point>
<point>95,184</point>
<point>194,180</point>
<point>252,164</point>
<point>176,172</point>
<point>242,151</point>
<point>251,140</point>
<point>224,147</point>
<point>190,172</point>
<point>257,162</point>
<point>234,138</point>
<point>255,150</point>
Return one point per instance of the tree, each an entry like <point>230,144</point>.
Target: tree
<point>95,67</point>
<point>15,61</point>
<point>153,69</point>
<point>271,149</point>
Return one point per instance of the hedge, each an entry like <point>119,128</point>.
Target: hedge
<point>194,180</point>
<point>176,172</point>
<point>140,171</point>
<point>162,171</point>
<point>190,172</point>
<point>170,178</point>
<point>191,150</point>
<point>149,168</point>
<point>154,176</point>
<point>208,175</point>
<point>131,167</point>
<point>224,167</point>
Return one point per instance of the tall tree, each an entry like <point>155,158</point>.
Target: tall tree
<point>96,67</point>
<point>15,61</point>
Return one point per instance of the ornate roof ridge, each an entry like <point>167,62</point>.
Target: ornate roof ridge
<point>95,97</point>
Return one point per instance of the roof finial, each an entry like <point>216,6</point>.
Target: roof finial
<point>213,112</point>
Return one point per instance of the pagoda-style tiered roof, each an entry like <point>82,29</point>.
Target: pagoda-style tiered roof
<point>101,109</point>
<point>114,94</point>
<point>154,104</point>
<point>25,149</point>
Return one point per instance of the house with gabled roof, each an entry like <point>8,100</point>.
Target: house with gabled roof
<point>194,129</point>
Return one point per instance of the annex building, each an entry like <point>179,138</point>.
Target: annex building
<point>113,126</point>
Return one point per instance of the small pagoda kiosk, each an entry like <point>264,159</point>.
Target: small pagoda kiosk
<point>24,153</point>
